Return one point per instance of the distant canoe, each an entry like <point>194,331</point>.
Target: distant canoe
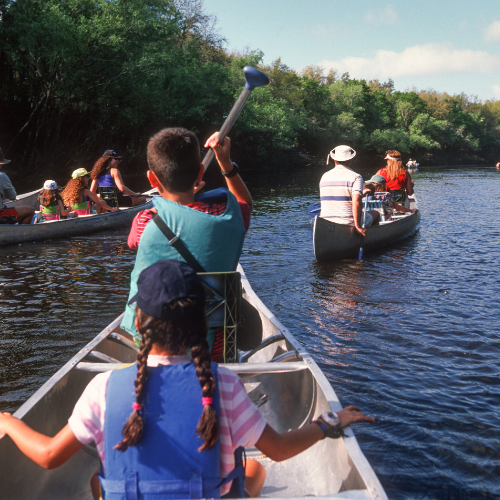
<point>334,241</point>
<point>26,199</point>
<point>84,224</point>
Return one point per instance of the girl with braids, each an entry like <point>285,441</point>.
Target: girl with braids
<point>106,174</point>
<point>398,179</point>
<point>185,417</point>
<point>76,194</point>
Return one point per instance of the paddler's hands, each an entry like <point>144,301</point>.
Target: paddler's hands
<point>352,414</point>
<point>199,186</point>
<point>222,151</point>
<point>361,231</point>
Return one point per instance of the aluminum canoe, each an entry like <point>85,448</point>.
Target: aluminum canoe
<point>280,376</point>
<point>334,241</point>
<point>84,224</point>
<point>26,199</point>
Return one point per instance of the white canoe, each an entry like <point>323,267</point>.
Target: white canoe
<point>26,199</point>
<point>334,241</point>
<point>84,224</point>
<point>281,378</point>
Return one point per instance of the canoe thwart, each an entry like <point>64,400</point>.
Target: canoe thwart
<point>270,340</point>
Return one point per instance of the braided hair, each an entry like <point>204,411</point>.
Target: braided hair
<point>185,329</point>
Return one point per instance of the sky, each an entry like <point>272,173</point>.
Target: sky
<point>445,46</point>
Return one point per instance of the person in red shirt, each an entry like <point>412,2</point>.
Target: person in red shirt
<point>397,177</point>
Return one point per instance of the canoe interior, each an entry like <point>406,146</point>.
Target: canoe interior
<point>287,400</point>
<point>334,241</point>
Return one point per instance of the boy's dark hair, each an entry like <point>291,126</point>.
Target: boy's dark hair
<point>174,157</point>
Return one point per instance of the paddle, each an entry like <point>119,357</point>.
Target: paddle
<point>360,256</point>
<point>254,78</point>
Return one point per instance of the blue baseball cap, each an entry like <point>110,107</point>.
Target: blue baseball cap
<point>163,282</point>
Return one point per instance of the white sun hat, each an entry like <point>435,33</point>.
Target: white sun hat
<point>341,153</point>
<point>50,185</point>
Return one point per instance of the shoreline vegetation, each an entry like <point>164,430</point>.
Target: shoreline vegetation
<point>81,76</point>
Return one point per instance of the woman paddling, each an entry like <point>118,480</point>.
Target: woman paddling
<point>107,182</point>
<point>185,417</point>
<point>77,195</point>
<point>397,178</point>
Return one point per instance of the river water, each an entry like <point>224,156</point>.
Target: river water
<point>411,334</point>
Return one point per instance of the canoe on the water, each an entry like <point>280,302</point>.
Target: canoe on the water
<point>26,199</point>
<point>83,224</point>
<point>281,378</point>
<point>334,241</point>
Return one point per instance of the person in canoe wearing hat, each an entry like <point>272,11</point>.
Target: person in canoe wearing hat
<point>51,203</point>
<point>21,214</point>
<point>77,195</point>
<point>105,174</point>
<point>172,423</point>
<point>341,191</point>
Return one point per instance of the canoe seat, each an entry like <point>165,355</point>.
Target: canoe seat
<point>223,304</point>
<point>108,194</point>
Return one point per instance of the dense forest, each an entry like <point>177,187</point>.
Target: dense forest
<point>82,76</point>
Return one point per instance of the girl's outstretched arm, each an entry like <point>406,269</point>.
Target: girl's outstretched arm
<point>49,452</point>
<point>279,447</point>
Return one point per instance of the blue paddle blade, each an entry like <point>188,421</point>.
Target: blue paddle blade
<point>314,209</point>
<point>254,78</point>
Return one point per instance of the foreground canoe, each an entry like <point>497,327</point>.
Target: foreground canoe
<point>334,241</point>
<point>84,224</point>
<point>280,377</point>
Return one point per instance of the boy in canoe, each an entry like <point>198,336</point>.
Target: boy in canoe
<point>170,423</point>
<point>210,227</point>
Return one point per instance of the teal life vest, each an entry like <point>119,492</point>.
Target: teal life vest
<point>165,463</point>
<point>214,241</point>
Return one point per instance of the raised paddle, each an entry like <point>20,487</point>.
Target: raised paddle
<point>254,78</point>
<point>360,256</point>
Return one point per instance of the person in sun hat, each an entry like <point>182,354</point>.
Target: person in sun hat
<point>108,184</point>
<point>171,424</point>
<point>77,195</point>
<point>51,203</point>
<point>21,214</point>
<point>341,191</point>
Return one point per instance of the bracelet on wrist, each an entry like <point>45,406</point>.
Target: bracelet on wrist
<point>233,172</point>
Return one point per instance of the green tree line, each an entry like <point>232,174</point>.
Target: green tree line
<point>82,76</point>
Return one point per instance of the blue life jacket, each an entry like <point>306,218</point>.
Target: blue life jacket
<point>106,180</point>
<point>214,241</point>
<point>165,463</point>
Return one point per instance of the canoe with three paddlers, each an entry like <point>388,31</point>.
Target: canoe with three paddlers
<point>280,377</point>
<point>334,241</point>
<point>83,224</point>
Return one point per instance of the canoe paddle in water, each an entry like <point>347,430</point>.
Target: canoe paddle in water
<point>360,256</point>
<point>254,78</point>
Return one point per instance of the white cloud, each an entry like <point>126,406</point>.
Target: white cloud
<point>387,15</point>
<point>496,91</point>
<point>428,59</point>
<point>492,32</point>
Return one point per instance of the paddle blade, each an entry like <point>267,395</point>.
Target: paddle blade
<point>254,78</point>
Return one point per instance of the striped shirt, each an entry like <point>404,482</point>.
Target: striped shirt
<point>142,218</point>
<point>240,422</point>
<point>336,189</point>
<point>7,191</point>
